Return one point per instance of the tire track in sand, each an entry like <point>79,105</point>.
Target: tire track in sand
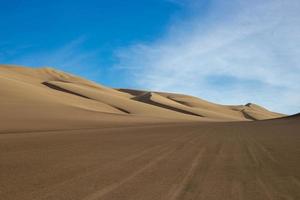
<point>165,152</point>
<point>175,192</point>
<point>131,158</point>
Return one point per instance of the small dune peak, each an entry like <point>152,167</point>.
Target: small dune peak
<point>254,106</point>
<point>250,104</point>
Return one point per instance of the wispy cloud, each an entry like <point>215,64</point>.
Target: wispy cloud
<point>230,52</point>
<point>70,57</point>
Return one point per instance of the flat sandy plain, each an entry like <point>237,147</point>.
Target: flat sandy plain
<point>75,151</point>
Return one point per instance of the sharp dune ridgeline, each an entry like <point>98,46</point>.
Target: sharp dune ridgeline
<point>64,137</point>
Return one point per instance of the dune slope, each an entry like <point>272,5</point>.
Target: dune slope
<point>45,95</point>
<point>196,106</point>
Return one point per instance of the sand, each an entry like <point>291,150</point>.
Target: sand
<point>63,137</point>
<point>46,96</point>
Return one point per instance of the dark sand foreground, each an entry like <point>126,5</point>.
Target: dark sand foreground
<point>237,160</point>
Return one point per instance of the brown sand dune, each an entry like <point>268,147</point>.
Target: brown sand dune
<point>294,116</point>
<point>25,97</point>
<point>195,106</point>
<point>126,105</point>
<point>63,137</point>
<point>22,88</point>
<point>290,118</point>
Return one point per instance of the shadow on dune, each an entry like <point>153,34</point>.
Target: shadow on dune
<point>55,87</point>
<point>146,98</point>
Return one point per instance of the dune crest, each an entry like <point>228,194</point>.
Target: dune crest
<point>48,94</point>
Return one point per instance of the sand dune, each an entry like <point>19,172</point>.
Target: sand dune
<point>126,105</point>
<point>63,137</point>
<point>24,87</point>
<point>195,106</point>
<point>27,99</point>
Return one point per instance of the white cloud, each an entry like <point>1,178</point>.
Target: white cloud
<point>228,51</point>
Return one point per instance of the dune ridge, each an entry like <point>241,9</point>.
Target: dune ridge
<point>46,94</point>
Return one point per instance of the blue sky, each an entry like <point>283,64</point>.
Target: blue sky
<point>230,52</point>
<point>78,36</point>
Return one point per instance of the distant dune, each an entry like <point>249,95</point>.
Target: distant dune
<point>66,138</point>
<point>46,95</point>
